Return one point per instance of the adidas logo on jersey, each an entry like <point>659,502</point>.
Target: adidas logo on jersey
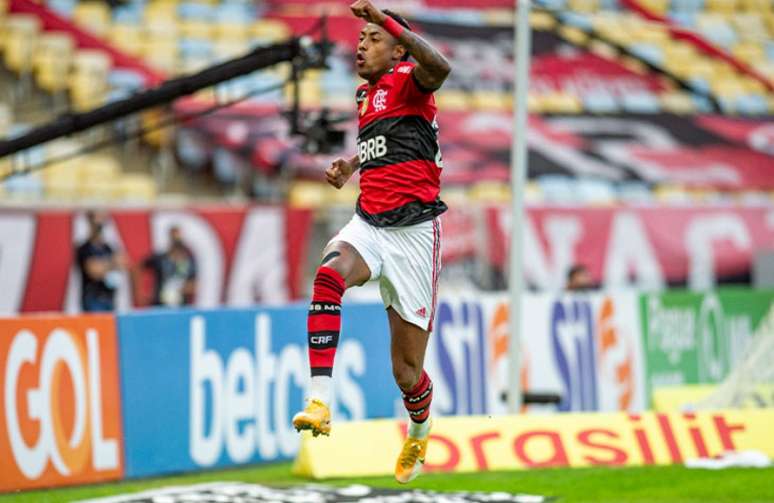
<point>422,312</point>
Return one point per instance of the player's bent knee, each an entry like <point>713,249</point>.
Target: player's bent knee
<point>406,375</point>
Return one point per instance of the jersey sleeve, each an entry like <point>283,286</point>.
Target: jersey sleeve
<point>409,89</point>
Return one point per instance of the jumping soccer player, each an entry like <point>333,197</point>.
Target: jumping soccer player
<point>395,235</point>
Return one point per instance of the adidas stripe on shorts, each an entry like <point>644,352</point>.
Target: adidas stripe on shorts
<point>406,261</point>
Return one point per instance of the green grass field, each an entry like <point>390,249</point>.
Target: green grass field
<point>650,484</point>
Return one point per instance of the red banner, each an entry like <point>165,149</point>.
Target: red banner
<point>243,254</point>
<point>649,247</point>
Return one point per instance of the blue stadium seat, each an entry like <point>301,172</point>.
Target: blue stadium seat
<point>609,5</point>
<point>127,14</point>
<point>754,104</point>
<point>25,186</point>
<point>126,79</point>
<point>581,21</point>
<point>552,4</point>
<point>769,48</point>
<point>702,103</point>
<point>641,103</point>
<point>634,192</point>
<point>557,189</point>
<point>699,84</point>
<point>235,13</point>
<point>648,52</point>
<point>600,102</point>
<point>195,48</point>
<point>594,191</point>
<point>686,19</point>
<point>195,11</point>
<point>64,8</point>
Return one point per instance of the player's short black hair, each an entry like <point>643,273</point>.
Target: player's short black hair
<point>401,21</point>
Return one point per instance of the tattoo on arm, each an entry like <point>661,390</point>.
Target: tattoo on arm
<point>432,68</point>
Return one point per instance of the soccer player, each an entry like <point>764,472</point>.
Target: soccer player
<point>395,234</point>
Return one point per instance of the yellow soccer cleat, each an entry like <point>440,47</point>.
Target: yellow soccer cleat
<point>411,459</point>
<point>315,417</point>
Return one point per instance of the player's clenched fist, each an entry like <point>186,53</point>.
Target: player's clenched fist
<point>339,172</point>
<point>366,10</point>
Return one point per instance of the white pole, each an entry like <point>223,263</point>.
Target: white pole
<point>521,39</point>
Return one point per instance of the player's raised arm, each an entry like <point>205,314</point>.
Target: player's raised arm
<point>432,67</point>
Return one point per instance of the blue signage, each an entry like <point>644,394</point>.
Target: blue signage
<point>219,388</point>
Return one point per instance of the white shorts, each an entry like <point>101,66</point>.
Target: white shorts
<point>407,262</point>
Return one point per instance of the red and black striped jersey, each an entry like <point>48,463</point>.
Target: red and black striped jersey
<point>397,144</point>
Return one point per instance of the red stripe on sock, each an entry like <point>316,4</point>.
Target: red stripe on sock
<point>323,322</point>
<point>321,357</point>
<point>423,385</point>
<point>328,287</point>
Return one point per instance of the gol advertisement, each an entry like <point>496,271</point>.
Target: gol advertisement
<point>479,443</point>
<point>60,417</point>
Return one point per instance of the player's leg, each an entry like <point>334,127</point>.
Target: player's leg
<point>341,267</point>
<point>407,347</point>
<point>409,285</point>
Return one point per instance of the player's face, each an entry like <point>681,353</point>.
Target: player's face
<point>376,53</point>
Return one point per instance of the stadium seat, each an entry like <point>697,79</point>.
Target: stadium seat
<point>195,11</point>
<point>64,8</point>
<point>162,55</point>
<point>634,192</point>
<point>722,6</point>
<point>684,19</point>
<point>157,11</point>
<point>600,102</point>
<point>197,29</point>
<point>596,192</point>
<point>717,30</point>
<point>588,6</point>
<point>269,30</point>
<point>93,16</point>
<point>162,30</point>
<point>100,167</point>
<point>24,187</point>
<point>233,32</point>
<point>308,195</point>
<point>52,61</point>
<point>88,82</point>
<point>649,52</point>
<point>225,49</point>
<point>672,194</point>
<point>557,189</point>
<point>560,103</point>
<point>488,100</point>
<point>657,6</point>
<point>136,187</point>
<point>490,192</point>
<point>453,99</point>
<point>131,13</point>
<point>346,196</point>
<point>641,102</point>
<point>677,102</point>
<point>541,21</point>
<point>127,37</point>
<point>752,104</point>
<point>20,38</point>
<point>99,191</point>
<point>6,119</point>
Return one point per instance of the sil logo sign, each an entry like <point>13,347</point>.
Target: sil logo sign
<point>59,402</point>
